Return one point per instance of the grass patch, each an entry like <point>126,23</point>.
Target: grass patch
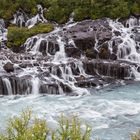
<point>17,36</point>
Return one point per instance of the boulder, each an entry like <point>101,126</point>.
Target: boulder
<point>86,32</point>
<point>9,67</point>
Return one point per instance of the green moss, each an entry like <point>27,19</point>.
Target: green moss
<point>17,36</point>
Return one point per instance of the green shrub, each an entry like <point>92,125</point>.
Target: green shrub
<point>70,129</point>
<point>135,136</point>
<point>22,128</point>
<point>27,127</point>
<point>17,36</point>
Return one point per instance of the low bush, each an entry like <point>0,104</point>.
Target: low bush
<point>135,136</point>
<point>27,127</point>
<point>17,36</point>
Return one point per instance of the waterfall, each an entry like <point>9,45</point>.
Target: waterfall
<point>74,57</point>
<point>21,18</point>
<point>60,55</point>
<point>38,18</point>
<point>128,49</point>
<point>35,85</point>
<point>7,85</point>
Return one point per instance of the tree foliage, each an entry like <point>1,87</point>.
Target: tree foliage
<point>59,10</point>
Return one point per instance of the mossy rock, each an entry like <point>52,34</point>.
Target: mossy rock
<point>17,36</point>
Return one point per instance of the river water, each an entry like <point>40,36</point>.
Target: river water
<point>113,112</point>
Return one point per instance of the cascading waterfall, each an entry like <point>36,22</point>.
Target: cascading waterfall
<point>35,85</point>
<point>47,66</point>
<point>8,86</point>
<point>3,34</point>
<point>128,48</point>
<point>60,55</point>
<point>21,19</point>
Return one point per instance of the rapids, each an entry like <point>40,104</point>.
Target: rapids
<point>113,112</point>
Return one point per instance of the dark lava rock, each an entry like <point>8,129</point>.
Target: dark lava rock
<point>114,69</point>
<point>104,52</point>
<point>9,67</point>
<point>92,53</point>
<point>86,32</point>
<point>73,52</point>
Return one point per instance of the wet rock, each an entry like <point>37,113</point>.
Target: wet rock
<point>20,49</point>
<point>137,37</point>
<point>21,85</point>
<point>86,43</point>
<point>73,52</point>
<point>54,88</point>
<point>114,69</point>
<point>104,52</point>
<point>9,67</point>
<point>15,85</point>
<point>43,46</point>
<point>92,53</point>
<point>49,89</point>
<point>75,69</point>
<point>53,48</point>
<point>84,84</point>
<point>115,43</point>
<point>117,33</point>
<point>113,56</point>
<point>66,88</point>
<point>86,32</point>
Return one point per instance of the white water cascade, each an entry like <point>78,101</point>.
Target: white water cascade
<point>49,66</point>
<point>127,48</point>
<point>21,18</point>
<point>8,86</point>
<point>35,85</point>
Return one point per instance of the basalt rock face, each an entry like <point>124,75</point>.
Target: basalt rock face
<point>86,33</point>
<point>72,58</point>
<point>115,69</point>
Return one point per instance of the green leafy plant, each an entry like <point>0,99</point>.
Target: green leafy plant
<point>23,128</point>
<point>70,129</point>
<point>27,127</point>
<point>135,136</point>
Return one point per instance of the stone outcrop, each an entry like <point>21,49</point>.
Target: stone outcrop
<point>9,67</point>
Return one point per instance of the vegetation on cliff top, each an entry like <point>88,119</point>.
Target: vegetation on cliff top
<point>59,10</point>
<point>26,127</point>
<point>17,36</point>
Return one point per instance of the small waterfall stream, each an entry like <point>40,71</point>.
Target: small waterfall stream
<point>128,49</point>
<point>8,86</point>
